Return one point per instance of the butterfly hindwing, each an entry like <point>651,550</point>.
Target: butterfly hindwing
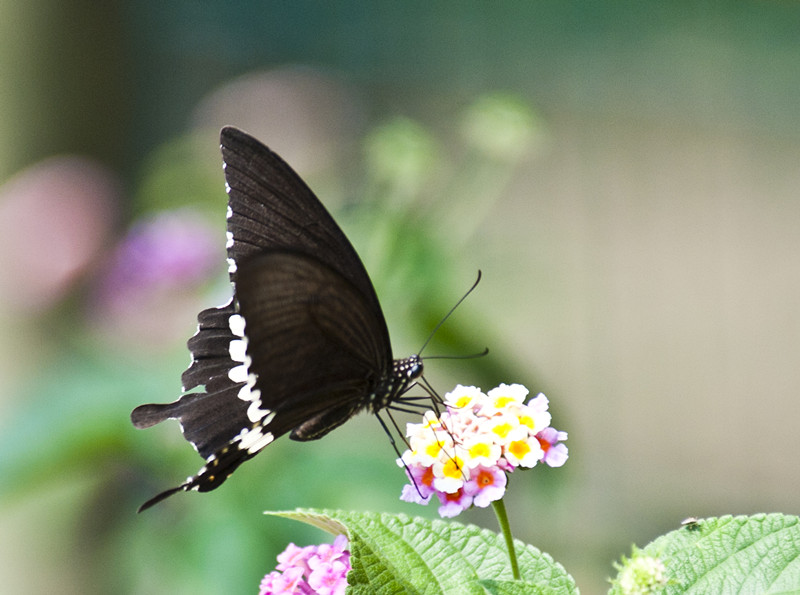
<point>212,417</point>
<point>314,344</point>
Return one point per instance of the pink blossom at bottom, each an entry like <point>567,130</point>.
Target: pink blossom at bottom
<point>320,570</point>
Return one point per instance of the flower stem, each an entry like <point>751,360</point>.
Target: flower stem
<point>502,519</point>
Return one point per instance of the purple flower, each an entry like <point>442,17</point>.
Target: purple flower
<point>294,556</point>
<point>454,504</point>
<point>420,489</point>
<point>314,569</point>
<point>152,275</point>
<point>555,453</point>
<point>286,583</point>
<point>328,578</point>
<point>486,484</point>
<point>174,248</point>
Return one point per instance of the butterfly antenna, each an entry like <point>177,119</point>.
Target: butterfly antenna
<point>468,356</point>
<point>446,316</point>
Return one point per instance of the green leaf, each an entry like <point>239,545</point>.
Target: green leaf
<point>755,554</point>
<point>517,588</point>
<point>400,554</point>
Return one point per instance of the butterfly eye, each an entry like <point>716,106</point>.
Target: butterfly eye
<point>415,368</point>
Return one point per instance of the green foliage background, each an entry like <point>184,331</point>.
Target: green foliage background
<point>620,101</point>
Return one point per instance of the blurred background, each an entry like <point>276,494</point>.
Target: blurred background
<point>625,174</point>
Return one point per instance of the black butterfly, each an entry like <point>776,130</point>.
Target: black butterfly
<point>301,347</point>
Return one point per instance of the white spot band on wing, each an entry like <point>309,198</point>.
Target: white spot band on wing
<point>238,350</point>
<point>254,439</point>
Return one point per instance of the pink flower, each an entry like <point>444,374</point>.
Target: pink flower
<point>56,220</point>
<point>555,454</point>
<point>329,578</point>
<point>420,489</point>
<point>294,556</point>
<point>486,485</point>
<point>310,570</point>
<point>280,584</point>
<point>453,504</point>
<point>329,552</point>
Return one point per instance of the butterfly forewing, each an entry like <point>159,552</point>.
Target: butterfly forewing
<point>271,207</point>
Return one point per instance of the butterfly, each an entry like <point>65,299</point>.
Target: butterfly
<point>301,347</point>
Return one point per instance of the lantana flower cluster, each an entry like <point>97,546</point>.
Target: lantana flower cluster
<point>320,569</point>
<point>464,456</point>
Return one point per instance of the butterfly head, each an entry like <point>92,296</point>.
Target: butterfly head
<point>409,368</point>
<point>404,375</point>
